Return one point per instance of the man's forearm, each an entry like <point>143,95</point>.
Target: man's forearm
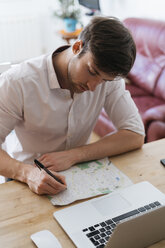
<point>12,168</point>
<point>114,144</point>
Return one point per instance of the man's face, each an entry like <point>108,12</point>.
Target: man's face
<point>83,75</point>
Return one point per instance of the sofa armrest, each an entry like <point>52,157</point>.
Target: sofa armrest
<point>156,113</point>
<point>156,131</point>
<point>154,122</point>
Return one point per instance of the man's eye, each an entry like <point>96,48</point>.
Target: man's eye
<point>92,73</point>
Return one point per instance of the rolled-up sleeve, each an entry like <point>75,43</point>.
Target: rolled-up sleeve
<point>11,104</point>
<point>122,110</point>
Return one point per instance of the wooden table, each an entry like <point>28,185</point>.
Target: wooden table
<point>23,212</point>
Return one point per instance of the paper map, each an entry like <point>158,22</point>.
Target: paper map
<point>90,179</point>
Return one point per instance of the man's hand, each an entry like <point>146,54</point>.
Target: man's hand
<point>42,183</point>
<point>58,161</point>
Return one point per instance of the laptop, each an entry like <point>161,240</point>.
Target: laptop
<point>131,217</point>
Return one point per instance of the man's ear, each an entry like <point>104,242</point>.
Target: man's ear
<point>77,46</point>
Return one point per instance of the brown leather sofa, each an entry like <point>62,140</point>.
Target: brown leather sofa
<point>146,81</point>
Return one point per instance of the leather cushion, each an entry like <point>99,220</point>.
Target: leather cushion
<point>136,91</point>
<point>149,36</point>
<point>144,103</point>
<point>145,73</point>
<point>160,86</point>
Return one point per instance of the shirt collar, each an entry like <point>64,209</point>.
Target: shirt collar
<point>52,77</point>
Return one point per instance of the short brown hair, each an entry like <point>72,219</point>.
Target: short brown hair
<point>111,45</point>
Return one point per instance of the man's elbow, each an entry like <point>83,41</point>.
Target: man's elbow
<point>136,140</point>
<point>139,140</point>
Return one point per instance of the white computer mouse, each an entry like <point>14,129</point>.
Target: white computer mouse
<point>45,239</point>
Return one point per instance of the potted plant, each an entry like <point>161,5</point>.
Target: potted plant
<point>69,13</point>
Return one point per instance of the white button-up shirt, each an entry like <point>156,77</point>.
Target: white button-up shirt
<point>45,118</point>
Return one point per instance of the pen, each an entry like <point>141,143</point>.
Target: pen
<point>41,166</point>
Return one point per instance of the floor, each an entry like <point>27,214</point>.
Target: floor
<point>94,138</point>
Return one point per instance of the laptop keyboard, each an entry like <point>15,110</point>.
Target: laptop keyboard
<point>99,234</point>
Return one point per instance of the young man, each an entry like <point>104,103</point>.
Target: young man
<point>52,103</point>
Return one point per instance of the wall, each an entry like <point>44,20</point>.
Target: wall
<point>28,29</point>
<point>134,8</point>
<point>18,43</point>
